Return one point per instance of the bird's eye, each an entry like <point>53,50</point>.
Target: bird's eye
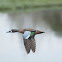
<point>11,31</point>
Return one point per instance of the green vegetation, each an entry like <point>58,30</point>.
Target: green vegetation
<point>23,5</point>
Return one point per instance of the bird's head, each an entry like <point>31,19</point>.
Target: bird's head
<point>12,31</point>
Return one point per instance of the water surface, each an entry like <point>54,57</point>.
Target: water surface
<point>48,45</point>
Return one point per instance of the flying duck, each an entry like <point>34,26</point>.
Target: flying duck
<point>28,37</point>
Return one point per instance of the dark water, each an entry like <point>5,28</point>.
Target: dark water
<point>48,45</point>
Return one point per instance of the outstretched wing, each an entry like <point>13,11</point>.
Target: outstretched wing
<point>30,44</point>
<point>26,34</point>
<point>27,44</point>
<point>33,44</point>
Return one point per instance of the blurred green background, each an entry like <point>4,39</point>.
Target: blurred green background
<point>29,5</point>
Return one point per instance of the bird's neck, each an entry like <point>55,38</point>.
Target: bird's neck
<point>14,30</point>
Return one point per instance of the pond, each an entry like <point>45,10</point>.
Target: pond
<point>48,45</point>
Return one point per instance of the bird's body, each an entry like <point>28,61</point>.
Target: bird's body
<point>28,37</point>
<point>29,41</point>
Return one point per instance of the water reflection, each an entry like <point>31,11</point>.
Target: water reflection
<point>54,19</point>
<point>49,45</point>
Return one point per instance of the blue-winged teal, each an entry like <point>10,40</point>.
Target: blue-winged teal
<point>28,37</point>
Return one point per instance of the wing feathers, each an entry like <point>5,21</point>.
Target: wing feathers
<point>27,44</point>
<point>30,44</point>
<point>33,45</point>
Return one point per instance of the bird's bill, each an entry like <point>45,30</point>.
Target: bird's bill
<point>9,32</point>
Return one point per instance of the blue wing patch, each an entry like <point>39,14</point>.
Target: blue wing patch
<point>26,34</point>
